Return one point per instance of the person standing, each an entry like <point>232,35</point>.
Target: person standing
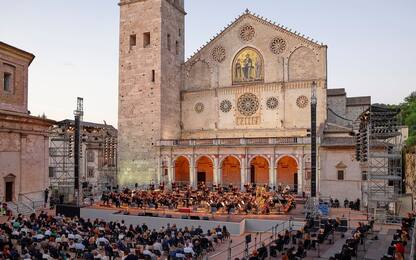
<point>46,193</point>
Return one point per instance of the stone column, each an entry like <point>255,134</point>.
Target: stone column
<point>215,172</point>
<point>300,174</point>
<point>271,175</point>
<point>171,175</point>
<point>243,172</point>
<point>192,177</point>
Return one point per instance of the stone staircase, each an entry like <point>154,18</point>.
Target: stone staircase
<point>20,208</point>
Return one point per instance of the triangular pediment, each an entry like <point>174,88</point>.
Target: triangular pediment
<point>341,165</point>
<point>249,16</point>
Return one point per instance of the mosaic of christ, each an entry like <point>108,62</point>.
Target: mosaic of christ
<point>247,66</point>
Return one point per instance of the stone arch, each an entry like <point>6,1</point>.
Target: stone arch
<point>240,73</point>
<point>231,171</point>
<point>303,64</point>
<point>259,170</point>
<point>287,167</point>
<point>198,75</point>
<point>181,170</point>
<point>204,166</point>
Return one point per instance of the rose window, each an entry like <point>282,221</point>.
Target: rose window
<point>218,54</point>
<point>247,32</point>
<point>302,101</point>
<point>277,45</point>
<point>248,104</point>
<point>199,107</point>
<point>272,103</point>
<point>226,106</point>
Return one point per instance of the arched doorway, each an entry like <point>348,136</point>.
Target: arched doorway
<point>259,171</point>
<point>231,171</point>
<point>287,172</point>
<point>204,170</point>
<point>182,170</point>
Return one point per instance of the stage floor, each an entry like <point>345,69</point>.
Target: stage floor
<point>293,213</point>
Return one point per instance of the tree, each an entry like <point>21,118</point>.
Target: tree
<point>408,114</point>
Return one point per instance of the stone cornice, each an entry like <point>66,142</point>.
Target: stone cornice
<point>260,86</point>
<point>127,2</point>
<point>13,117</point>
<point>11,50</point>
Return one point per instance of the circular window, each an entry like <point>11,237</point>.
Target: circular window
<point>277,45</point>
<point>247,32</point>
<point>226,106</point>
<point>218,54</point>
<point>199,107</point>
<point>302,101</point>
<point>272,103</point>
<point>248,104</point>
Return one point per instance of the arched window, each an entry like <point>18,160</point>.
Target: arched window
<point>248,66</point>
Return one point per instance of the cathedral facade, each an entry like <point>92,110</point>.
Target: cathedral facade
<point>236,112</point>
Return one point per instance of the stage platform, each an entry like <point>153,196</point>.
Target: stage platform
<point>236,224</point>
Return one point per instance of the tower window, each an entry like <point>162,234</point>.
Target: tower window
<point>340,175</point>
<point>168,42</point>
<point>7,82</point>
<point>153,76</point>
<point>177,47</point>
<point>146,39</point>
<point>132,40</point>
<point>180,32</point>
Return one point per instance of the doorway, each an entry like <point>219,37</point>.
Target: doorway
<point>202,177</point>
<point>9,191</point>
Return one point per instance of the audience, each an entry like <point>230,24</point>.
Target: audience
<point>48,237</point>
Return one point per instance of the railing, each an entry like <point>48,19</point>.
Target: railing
<point>243,249</point>
<point>26,201</point>
<point>412,248</point>
<point>235,141</point>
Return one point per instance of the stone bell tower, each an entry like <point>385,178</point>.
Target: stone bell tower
<point>150,79</point>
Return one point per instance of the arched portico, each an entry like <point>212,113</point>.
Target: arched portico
<point>204,170</point>
<point>287,171</point>
<point>182,172</point>
<point>231,171</point>
<point>259,171</point>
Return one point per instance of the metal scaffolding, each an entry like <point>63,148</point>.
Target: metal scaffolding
<point>379,147</point>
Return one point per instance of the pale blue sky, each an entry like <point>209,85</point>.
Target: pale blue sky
<point>371,45</point>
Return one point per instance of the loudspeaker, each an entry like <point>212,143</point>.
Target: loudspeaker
<point>68,210</point>
<point>205,218</point>
<point>248,239</point>
<point>148,214</point>
<point>195,217</point>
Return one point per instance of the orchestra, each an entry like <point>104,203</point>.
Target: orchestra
<point>226,200</point>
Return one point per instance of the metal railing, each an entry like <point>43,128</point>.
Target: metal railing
<point>413,242</point>
<point>243,249</point>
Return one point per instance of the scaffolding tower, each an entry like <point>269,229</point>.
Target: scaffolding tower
<point>379,150</point>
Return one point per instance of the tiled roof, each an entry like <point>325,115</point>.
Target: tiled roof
<point>336,92</point>
<point>359,101</point>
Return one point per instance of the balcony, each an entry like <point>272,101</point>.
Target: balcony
<point>236,141</point>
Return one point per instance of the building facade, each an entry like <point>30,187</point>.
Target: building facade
<point>98,158</point>
<point>23,138</point>
<point>236,112</point>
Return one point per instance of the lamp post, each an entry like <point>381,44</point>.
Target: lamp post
<point>313,140</point>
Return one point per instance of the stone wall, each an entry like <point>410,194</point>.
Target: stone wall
<point>350,187</point>
<point>287,56</point>
<point>24,154</point>
<point>150,79</point>
<point>15,63</point>
<point>204,114</point>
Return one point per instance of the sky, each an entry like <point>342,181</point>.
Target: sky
<point>371,46</point>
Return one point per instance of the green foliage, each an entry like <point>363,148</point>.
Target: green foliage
<point>408,115</point>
